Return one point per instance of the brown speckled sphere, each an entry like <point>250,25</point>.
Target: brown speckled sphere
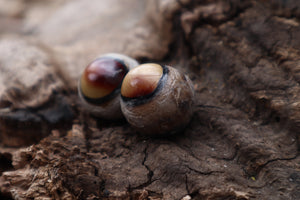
<point>157,100</point>
<point>100,83</point>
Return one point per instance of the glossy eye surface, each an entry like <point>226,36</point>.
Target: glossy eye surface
<point>157,99</point>
<point>142,80</point>
<point>101,78</point>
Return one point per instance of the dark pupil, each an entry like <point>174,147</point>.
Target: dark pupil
<point>106,73</point>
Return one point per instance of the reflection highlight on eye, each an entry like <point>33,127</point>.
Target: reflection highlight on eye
<point>100,84</point>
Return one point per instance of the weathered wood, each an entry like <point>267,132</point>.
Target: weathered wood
<point>243,141</point>
<point>29,93</point>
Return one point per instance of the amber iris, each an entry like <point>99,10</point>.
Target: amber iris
<point>101,77</point>
<point>141,80</point>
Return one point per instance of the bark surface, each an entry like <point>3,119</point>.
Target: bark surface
<point>242,143</point>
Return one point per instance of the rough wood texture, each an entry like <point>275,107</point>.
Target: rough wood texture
<point>243,141</point>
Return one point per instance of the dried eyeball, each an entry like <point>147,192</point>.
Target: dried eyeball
<point>157,99</point>
<point>100,83</point>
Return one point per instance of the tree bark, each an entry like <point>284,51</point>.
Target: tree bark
<point>242,143</point>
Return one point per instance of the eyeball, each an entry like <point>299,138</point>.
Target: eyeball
<point>100,83</point>
<point>156,99</point>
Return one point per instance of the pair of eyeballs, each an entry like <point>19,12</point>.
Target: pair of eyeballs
<point>155,99</point>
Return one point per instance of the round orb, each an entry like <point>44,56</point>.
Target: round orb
<point>141,81</point>
<point>157,100</point>
<point>100,83</point>
<point>100,78</point>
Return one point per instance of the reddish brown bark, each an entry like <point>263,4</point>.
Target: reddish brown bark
<point>242,143</point>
